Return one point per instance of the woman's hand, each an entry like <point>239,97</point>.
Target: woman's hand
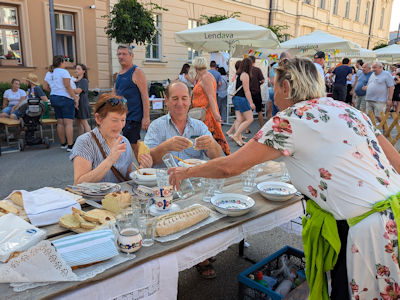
<point>217,116</point>
<point>146,161</point>
<point>116,149</point>
<point>176,175</point>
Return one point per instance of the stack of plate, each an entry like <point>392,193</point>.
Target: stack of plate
<point>97,190</point>
<point>191,162</point>
<point>232,205</point>
<point>146,177</point>
<point>276,190</point>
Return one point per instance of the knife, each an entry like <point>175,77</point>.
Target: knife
<point>94,203</point>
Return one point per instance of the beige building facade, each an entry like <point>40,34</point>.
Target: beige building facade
<point>25,31</point>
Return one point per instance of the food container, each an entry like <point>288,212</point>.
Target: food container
<point>191,162</point>
<point>148,174</point>
<point>232,205</point>
<point>276,190</point>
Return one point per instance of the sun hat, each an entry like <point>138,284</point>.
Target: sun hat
<point>32,78</point>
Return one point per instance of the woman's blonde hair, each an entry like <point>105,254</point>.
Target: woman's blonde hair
<point>303,77</point>
<point>200,63</point>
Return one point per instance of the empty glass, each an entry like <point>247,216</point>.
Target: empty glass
<point>284,172</point>
<point>248,180</point>
<point>185,186</point>
<point>219,185</point>
<point>207,188</point>
<point>141,204</point>
<point>162,177</point>
<point>147,225</point>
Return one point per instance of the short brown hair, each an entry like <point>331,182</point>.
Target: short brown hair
<point>103,109</point>
<point>14,80</point>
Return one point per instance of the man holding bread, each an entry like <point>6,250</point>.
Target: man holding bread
<point>177,133</point>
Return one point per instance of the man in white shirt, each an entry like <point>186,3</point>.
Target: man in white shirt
<point>319,60</point>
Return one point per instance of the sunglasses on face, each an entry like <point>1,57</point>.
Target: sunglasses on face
<point>113,102</point>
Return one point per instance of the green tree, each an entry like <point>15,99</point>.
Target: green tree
<point>217,18</point>
<point>379,45</point>
<point>279,31</point>
<point>131,22</point>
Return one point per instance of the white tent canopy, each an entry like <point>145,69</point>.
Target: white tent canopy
<point>320,40</point>
<point>361,53</point>
<point>224,35</point>
<point>392,51</point>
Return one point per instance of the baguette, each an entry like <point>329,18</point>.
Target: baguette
<point>177,221</point>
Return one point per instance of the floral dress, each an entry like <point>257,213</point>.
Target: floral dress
<point>333,156</point>
<point>200,99</point>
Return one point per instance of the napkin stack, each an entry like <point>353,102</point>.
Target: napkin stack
<point>46,205</point>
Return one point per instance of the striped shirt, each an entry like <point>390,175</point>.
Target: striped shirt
<point>86,147</point>
<point>164,128</point>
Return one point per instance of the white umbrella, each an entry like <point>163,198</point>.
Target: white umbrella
<point>392,51</point>
<point>361,53</point>
<point>320,40</point>
<point>226,34</point>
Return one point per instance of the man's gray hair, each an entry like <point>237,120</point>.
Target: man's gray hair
<point>125,47</point>
<point>379,64</point>
<point>367,65</point>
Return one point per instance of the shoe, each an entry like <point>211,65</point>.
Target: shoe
<point>69,148</point>
<point>64,146</point>
<point>248,131</point>
<point>239,143</point>
<point>204,271</point>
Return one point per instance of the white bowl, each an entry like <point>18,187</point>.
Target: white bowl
<point>276,190</point>
<point>231,204</point>
<point>141,177</point>
<point>191,162</point>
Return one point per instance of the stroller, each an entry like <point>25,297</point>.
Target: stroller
<point>30,111</point>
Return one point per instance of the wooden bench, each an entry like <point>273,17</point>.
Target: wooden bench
<point>46,122</point>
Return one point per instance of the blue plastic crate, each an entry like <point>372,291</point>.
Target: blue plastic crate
<point>250,289</point>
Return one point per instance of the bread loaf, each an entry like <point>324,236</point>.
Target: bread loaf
<point>116,201</point>
<point>85,215</point>
<point>16,198</point>
<point>6,208</point>
<point>177,221</point>
<point>82,222</point>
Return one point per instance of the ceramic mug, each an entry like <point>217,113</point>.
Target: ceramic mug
<point>163,203</point>
<point>129,240</point>
<point>144,191</point>
<point>165,191</point>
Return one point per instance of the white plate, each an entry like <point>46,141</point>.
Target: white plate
<point>156,212</point>
<point>191,162</point>
<point>115,188</point>
<point>145,183</point>
<point>135,175</point>
<point>232,204</point>
<point>276,190</point>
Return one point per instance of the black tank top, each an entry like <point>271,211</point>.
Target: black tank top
<point>239,83</point>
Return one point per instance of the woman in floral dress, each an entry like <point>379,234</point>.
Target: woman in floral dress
<point>339,160</point>
<point>205,96</point>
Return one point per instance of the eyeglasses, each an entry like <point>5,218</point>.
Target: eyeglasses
<point>113,102</point>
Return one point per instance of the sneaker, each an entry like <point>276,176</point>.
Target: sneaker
<point>64,146</point>
<point>69,148</point>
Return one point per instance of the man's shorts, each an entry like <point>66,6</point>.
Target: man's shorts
<point>376,107</point>
<point>257,100</point>
<point>241,104</point>
<point>64,107</point>
<point>132,131</point>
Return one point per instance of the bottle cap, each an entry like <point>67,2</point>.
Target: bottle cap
<point>259,275</point>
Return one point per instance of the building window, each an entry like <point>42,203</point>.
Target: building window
<point>322,4</point>
<point>366,14</point>
<point>335,6</point>
<point>153,50</point>
<point>191,52</point>
<point>10,38</point>
<point>307,2</point>
<point>382,16</point>
<point>347,12</point>
<point>358,10</point>
<point>65,35</point>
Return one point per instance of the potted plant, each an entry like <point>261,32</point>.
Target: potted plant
<point>9,59</point>
<point>69,61</point>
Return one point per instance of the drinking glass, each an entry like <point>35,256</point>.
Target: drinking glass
<point>284,172</point>
<point>248,180</point>
<point>207,188</point>
<point>141,204</point>
<point>219,185</point>
<point>185,186</point>
<point>162,177</point>
<point>147,225</point>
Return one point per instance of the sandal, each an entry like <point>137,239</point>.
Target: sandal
<point>239,143</point>
<point>204,271</point>
<point>244,137</point>
<point>247,131</point>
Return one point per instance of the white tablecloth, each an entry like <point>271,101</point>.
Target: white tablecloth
<point>158,279</point>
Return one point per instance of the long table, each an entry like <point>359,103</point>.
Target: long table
<point>185,252</point>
